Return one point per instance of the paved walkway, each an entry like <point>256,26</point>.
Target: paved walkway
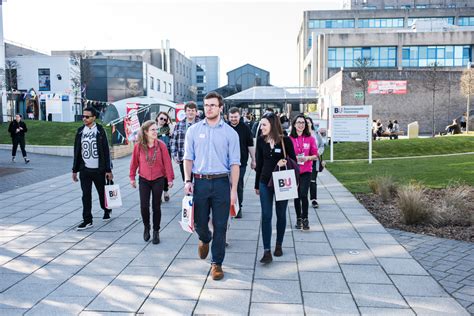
<point>450,262</point>
<point>347,264</point>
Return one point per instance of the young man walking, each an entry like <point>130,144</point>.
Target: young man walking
<point>17,130</point>
<point>179,133</point>
<point>92,161</point>
<point>212,153</point>
<point>246,147</point>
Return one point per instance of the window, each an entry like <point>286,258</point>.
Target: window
<point>447,19</point>
<point>44,79</point>
<point>444,56</point>
<point>369,7</point>
<point>310,41</point>
<point>348,56</point>
<point>158,85</point>
<point>380,23</point>
<point>466,21</point>
<point>421,6</point>
<point>389,7</point>
<point>152,83</point>
<point>406,6</point>
<point>164,84</point>
<point>200,79</point>
<point>330,24</point>
<point>169,85</point>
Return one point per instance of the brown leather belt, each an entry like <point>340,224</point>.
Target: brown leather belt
<point>210,176</point>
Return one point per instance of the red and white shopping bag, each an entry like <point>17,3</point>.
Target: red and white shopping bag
<point>187,214</point>
<point>113,198</point>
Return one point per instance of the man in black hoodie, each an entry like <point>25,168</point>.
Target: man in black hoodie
<point>92,161</point>
<point>17,130</point>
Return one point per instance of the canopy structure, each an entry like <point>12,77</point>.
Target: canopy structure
<point>271,94</point>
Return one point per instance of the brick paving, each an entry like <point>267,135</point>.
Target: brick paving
<point>346,264</point>
<point>450,262</point>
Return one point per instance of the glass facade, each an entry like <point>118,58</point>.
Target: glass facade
<point>248,76</point>
<point>380,23</point>
<point>466,21</point>
<point>347,56</point>
<point>447,19</point>
<point>331,24</point>
<point>444,56</point>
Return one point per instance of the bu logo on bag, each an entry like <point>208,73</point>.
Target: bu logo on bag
<point>284,184</point>
<point>113,193</point>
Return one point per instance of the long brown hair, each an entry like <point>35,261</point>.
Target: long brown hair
<point>142,138</point>
<point>276,132</point>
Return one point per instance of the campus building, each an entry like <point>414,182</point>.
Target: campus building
<point>243,78</point>
<point>390,43</point>
<point>205,74</point>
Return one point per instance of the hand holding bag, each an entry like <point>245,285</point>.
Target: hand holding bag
<point>113,198</point>
<point>285,182</point>
<point>187,214</point>
<point>291,164</point>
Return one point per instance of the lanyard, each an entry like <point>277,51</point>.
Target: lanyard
<point>298,144</point>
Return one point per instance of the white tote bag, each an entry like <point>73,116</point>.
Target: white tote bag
<point>187,214</point>
<point>284,184</point>
<point>113,198</point>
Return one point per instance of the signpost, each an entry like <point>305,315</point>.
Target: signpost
<point>351,123</point>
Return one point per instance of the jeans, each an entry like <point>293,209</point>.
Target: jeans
<point>213,194</point>
<point>266,201</point>
<point>87,177</point>
<point>240,186</point>
<point>18,140</point>
<point>313,187</point>
<point>155,189</point>
<point>301,203</point>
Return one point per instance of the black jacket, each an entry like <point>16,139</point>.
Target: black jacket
<point>14,125</point>
<point>105,163</point>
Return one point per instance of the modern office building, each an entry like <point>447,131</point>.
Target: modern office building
<point>397,40</point>
<point>243,78</point>
<point>167,59</point>
<point>205,74</point>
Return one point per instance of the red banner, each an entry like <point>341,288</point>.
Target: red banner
<point>387,87</point>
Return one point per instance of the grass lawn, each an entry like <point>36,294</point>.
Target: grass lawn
<point>46,133</point>
<point>403,147</point>
<point>436,172</point>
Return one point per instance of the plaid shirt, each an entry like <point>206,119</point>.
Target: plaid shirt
<point>177,139</point>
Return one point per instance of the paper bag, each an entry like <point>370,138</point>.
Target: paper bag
<point>187,214</point>
<point>284,184</point>
<point>113,198</point>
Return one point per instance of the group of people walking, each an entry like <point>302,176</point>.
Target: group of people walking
<point>213,157</point>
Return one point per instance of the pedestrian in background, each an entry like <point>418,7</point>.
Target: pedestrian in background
<point>92,161</point>
<point>17,130</point>
<point>320,143</point>
<point>150,156</point>
<point>306,152</point>
<point>163,125</point>
<point>269,154</point>
<point>212,154</point>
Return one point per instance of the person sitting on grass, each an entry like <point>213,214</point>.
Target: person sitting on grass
<point>453,128</point>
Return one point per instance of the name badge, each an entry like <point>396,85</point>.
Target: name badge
<point>306,146</point>
<point>277,150</point>
<point>202,135</point>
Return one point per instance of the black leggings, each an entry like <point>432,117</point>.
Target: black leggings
<point>18,140</point>
<point>301,203</point>
<point>155,189</point>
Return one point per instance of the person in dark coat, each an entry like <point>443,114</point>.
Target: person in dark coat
<point>17,130</point>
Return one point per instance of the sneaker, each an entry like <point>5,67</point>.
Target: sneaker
<point>26,160</point>
<point>305,224</point>
<point>267,257</point>
<point>314,203</point>
<point>298,223</point>
<point>84,225</point>
<point>216,272</point>
<point>106,217</point>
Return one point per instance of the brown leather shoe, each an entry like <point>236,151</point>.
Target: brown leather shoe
<point>203,250</point>
<point>216,272</point>
<point>278,251</point>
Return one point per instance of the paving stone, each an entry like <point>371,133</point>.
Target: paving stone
<point>276,291</point>
<point>139,276</point>
<point>13,311</point>
<point>435,306</point>
<point>417,286</point>
<point>323,303</point>
<point>276,309</point>
<point>311,236</point>
<point>389,251</point>
<point>235,279</point>
<point>187,288</point>
<point>310,248</point>
<point>277,271</point>
<point>219,301</point>
<point>375,311</point>
<point>239,260</point>
<point>325,282</point>
<point>9,279</point>
<point>59,306</point>
<point>355,257</point>
<point>348,243</point>
<point>377,295</point>
<point>402,266</point>
<point>117,298</point>
<point>82,286</point>
<point>365,274</point>
<point>318,263</point>
<point>155,306</point>
<point>188,267</point>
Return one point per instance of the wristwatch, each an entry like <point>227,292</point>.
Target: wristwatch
<point>189,181</point>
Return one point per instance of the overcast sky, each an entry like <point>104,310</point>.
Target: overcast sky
<point>259,32</point>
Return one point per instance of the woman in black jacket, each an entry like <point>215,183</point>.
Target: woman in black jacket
<point>17,130</point>
<point>269,154</point>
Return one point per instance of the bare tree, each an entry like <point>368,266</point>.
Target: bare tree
<point>467,88</point>
<point>432,80</point>
<point>363,65</point>
<point>10,82</point>
<point>82,78</point>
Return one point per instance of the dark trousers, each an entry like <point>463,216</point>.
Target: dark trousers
<point>155,189</point>
<point>240,185</point>
<point>266,201</point>
<point>313,187</point>
<point>212,195</point>
<point>301,203</point>
<point>87,177</point>
<point>18,140</point>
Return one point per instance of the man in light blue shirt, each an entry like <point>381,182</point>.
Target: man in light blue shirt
<point>211,153</point>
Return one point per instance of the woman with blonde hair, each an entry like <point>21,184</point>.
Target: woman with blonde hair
<point>150,156</point>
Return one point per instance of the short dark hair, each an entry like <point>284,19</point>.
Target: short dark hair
<point>234,110</point>
<point>190,105</point>
<point>90,109</point>
<point>21,116</point>
<point>270,110</point>
<point>214,94</point>
<point>306,131</point>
